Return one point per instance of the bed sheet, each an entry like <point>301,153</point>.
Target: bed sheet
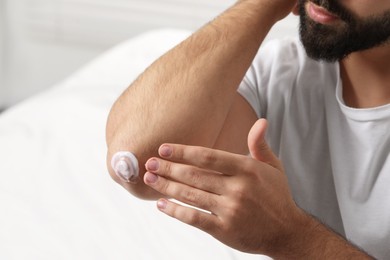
<point>57,200</point>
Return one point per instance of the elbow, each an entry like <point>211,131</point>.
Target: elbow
<point>121,137</point>
<point>137,187</point>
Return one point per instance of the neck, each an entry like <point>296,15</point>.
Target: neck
<point>366,78</point>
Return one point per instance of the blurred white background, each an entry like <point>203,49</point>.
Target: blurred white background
<point>43,41</point>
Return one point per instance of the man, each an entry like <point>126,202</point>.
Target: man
<point>328,113</point>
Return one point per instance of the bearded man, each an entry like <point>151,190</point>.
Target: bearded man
<point>316,185</point>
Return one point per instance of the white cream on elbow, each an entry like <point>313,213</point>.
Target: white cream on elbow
<point>125,166</point>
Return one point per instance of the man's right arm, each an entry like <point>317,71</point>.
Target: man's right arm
<point>189,95</point>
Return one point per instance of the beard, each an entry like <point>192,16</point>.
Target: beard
<point>335,42</point>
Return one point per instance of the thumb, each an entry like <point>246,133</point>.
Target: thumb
<point>259,148</point>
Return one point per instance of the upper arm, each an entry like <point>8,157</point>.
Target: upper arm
<point>234,133</point>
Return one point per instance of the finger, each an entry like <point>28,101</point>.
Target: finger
<point>181,192</point>
<point>202,179</point>
<point>259,148</point>
<point>205,158</point>
<point>202,220</point>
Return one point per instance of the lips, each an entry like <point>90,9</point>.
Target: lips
<point>320,14</point>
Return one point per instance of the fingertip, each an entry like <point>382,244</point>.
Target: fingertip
<point>162,204</point>
<point>165,150</point>
<point>150,178</point>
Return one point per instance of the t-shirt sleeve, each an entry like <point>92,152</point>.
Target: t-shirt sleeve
<point>273,69</point>
<point>249,91</point>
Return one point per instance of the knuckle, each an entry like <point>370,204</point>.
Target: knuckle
<point>166,169</point>
<point>208,157</point>
<point>194,219</point>
<point>174,211</point>
<point>200,221</point>
<point>238,191</point>
<point>263,147</point>
<point>179,152</point>
<point>190,196</point>
<point>233,211</point>
<point>194,177</point>
<point>165,187</point>
<point>212,203</point>
<point>227,227</point>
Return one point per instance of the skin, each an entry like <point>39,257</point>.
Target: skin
<point>365,8</point>
<point>229,187</point>
<point>368,68</point>
<point>365,74</point>
<point>207,91</point>
<point>203,160</point>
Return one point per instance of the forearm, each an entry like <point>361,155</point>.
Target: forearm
<point>313,240</point>
<point>185,96</point>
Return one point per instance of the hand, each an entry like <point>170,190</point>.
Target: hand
<point>249,203</point>
<point>283,7</point>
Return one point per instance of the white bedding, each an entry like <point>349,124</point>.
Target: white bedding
<point>57,200</point>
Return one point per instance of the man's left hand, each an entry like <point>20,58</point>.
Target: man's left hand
<point>246,201</point>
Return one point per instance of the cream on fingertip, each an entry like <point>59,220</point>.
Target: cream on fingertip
<point>125,166</point>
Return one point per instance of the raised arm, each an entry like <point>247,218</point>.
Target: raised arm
<point>189,95</point>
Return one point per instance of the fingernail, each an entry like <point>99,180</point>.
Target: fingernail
<point>150,177</point>
<point>165,151</point>
<point>152,165</point>
<point>162,204</point>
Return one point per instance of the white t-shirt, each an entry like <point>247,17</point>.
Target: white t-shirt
<point>336,157</point>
